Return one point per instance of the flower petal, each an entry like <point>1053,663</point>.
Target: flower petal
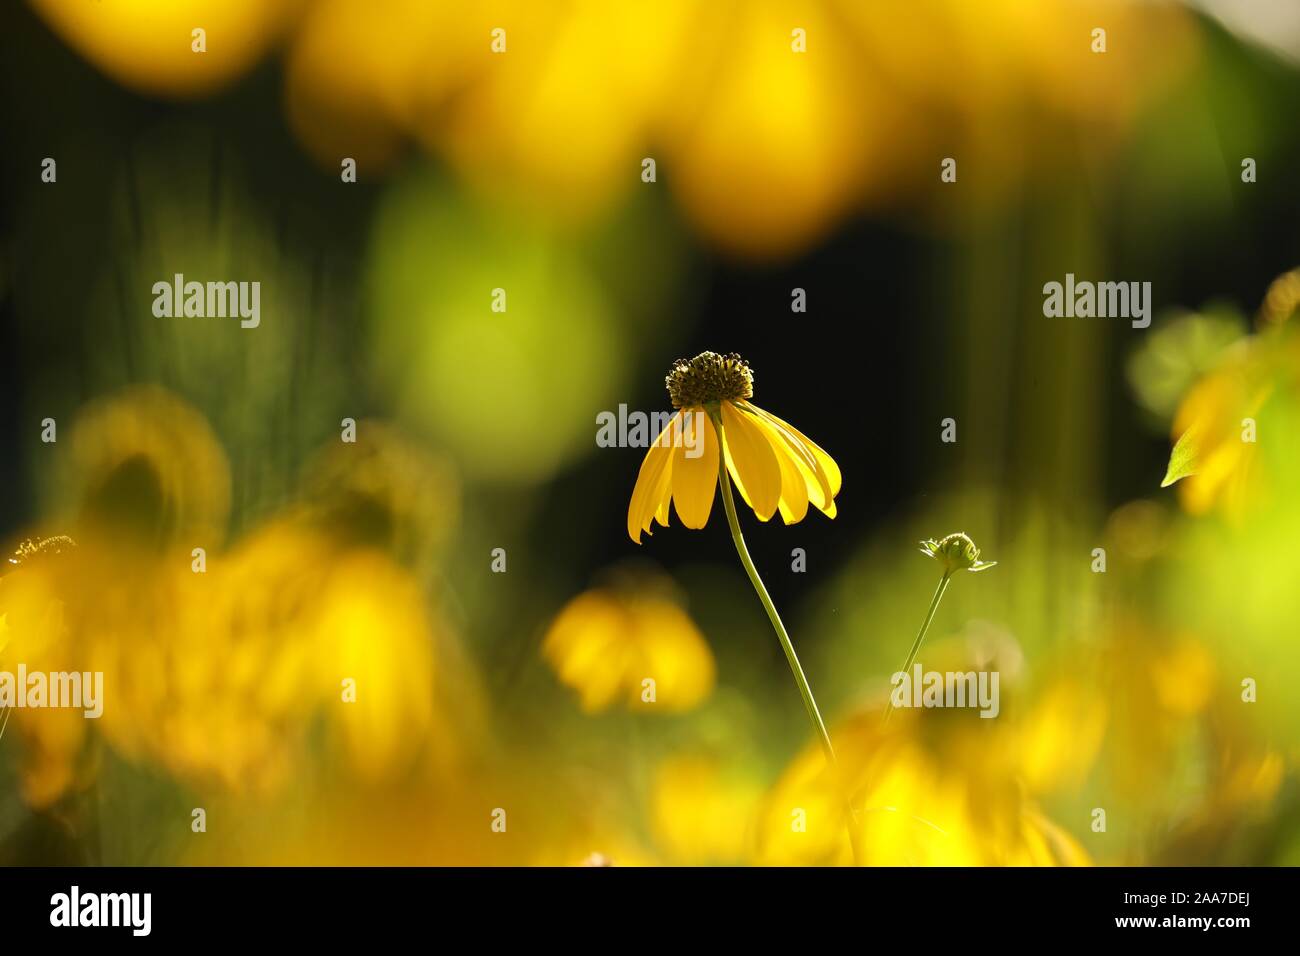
<point>820,473</point>
<point>824,461</point>
<point>663,489</point>
<point>695,467</point>
<point>651,482</point>
<point>665,498</point>
<point>751,459</point>
<point>794,489</point>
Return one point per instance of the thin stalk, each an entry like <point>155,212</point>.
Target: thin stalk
<point>920,635</point>
<point>805,691</point>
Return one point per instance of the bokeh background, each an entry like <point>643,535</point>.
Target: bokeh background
<point>481,691</point>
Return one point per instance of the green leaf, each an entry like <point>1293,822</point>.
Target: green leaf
<point>1184,460</point>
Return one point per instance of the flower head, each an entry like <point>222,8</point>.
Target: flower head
<point>956,552</point>
<point>709,378</point>
<point>774,466</point>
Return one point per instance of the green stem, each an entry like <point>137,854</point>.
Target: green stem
<point>920,636</point>
<point>805,691</point>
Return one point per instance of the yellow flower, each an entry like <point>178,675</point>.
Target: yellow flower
<point>147,470</point>
<point>150,46</point>
<point>774,466</point>
<point>633,643</point>
<point>304,640</point>
<point>1217,460</point>
<point>701,812</point>
<point>932,794</point>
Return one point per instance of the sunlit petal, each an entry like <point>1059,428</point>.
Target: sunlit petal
<point>651,481</point>
<point>820,473</point>
<point>695,478</point>
<point>794,488</point>
<point>751,462</point>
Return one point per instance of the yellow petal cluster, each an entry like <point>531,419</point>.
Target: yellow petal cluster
<point>774,466</point>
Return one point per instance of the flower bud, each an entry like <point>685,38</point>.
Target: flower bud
<point>956,552</point>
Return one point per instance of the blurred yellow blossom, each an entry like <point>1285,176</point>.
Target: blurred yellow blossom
<point>1181,755</point>
<point>941,787</point>
<point>630,644</point>
<point>702,811</point>
<point>1156,685</point>
<point>919,803</point>
<point>147,471</point>
<point>356,74</point>
<point>767,140</point>
<point>151,47</point>
<point>806,111</point>
<point>1058,742</point>
<point>219,672</point>
<point>1247,398</point>
<point>1214,455</point>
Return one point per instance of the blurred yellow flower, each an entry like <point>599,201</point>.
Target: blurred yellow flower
<point>808,110</point>
<point>1214,459</point>
<point>822,103</point>
<point>701,813</point>
<point>1250,395</point>
<point>220,677</point>
<point>1058,742</point>
<point>372,629</point>
<point>943,787</point>
<point>219,668</point>
<point>1156,687</point>
<point>355,75</point>
<point>151,46</point>
<point>147,472</point>
<point>52,740</point>
<point>772,463</point>
<point>631,643</point>
<point>920,801</point>
<point>777,134</point>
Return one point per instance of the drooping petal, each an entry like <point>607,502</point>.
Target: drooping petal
<point>665,498</point>
<point>825,462</point>
<point>752,462</point>
<point>651,482</point>
<point>662,494</point>
<point>660,497</point>
<point>695,467</point>
<point>816,484</point>
<point>794,487</point>
<point>820,472</point>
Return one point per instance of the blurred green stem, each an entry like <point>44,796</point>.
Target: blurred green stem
<point>920,635</point>
<point>805,691</point>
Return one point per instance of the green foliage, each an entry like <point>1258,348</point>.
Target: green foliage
<point>1184,459</point>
